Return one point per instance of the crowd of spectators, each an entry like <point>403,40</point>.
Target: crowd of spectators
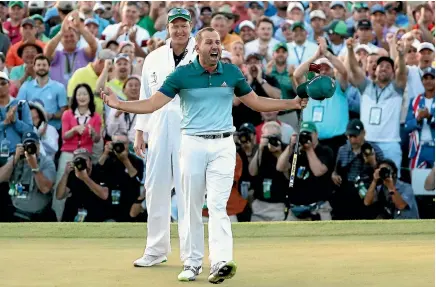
<point>65,156</point>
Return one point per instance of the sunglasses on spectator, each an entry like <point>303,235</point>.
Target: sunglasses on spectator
<point>177,11</point>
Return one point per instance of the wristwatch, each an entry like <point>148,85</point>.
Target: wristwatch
<point>35,170</point>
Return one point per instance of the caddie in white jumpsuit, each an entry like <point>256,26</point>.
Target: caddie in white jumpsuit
<point>207,153</point>
<point>163,128</point>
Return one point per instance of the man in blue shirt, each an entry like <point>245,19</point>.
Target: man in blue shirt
<point>208,154</point>
<point>50,92</point>
<point>15,120</point>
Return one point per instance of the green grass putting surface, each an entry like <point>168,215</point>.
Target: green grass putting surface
<point>336,254</point>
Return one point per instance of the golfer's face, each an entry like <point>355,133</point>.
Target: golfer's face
<point>210,47</point>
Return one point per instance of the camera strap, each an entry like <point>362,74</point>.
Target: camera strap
<point>80,136</point>
<point>129,121</point>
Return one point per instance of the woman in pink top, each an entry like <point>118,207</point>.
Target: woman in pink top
<point>81,126</point>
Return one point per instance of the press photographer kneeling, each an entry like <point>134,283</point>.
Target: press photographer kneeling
<point>31,178</point>
<point>124,172</point>
<point>84,187</point>
<point>308,199</point>
<point>395,196</point>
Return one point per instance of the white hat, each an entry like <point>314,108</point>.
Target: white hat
<point>317,14</point>
<point>98,6</point>
<point>425,45</point>
<point>36,4</point>
<point>246,23</point>
<point>226,55</point>
<point>287,21</point>
<point>415,44</point>
<point>324,61</point>
<point>364,47</point>
<point>293,5</point>
<point>4,76</point>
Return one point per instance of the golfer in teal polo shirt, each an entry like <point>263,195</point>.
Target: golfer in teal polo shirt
<point>208,156</point>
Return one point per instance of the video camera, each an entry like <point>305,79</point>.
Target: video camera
<point>385,172</point>
<point>118,147</point>
<point>30,148</point>
<point>305,137</point>
<point>80,163</point>
<point>274,140</point>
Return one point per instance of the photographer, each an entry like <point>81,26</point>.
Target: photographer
<point>84,190</point>
<point>269,185</point>
<point>355,166</point>
<point>31,178</point>
<point>395,196</point>
<point>124,172</point>
<point>308,199</point>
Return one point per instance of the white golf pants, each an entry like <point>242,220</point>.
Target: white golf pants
<point>162,174</point>
<point>207,165</point>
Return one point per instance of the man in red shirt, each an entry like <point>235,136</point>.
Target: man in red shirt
<point>28,32</point>
<point>12,26</point>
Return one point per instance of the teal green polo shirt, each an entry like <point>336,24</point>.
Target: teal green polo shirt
<point>285,83</point>
<point>206,99</point>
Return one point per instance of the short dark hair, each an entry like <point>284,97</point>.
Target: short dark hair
<point>199,36</point>
<point>265,20</point>
<point>74,104</point>
<point>41,57</point>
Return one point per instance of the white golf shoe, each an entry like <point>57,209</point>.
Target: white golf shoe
<point>189,273</point>
<point>221,271</point>
<point>149,260</point>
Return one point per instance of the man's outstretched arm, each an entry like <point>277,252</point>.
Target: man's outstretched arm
<point>262,104</point>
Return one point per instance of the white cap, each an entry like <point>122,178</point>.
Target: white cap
<point>293,5</point>
<point>425,45</point>
<point>98,6</point>
<point>226,55</point>
<point>4,76</point>
<point>415,44</point>
<point>324,61</point>
<point>246,23</point>
<point>36,4</point>
<point>364,47</point>
<point>317,14</point>
<point>287,21</point>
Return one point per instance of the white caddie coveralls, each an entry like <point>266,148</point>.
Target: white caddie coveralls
<point>162,164</point>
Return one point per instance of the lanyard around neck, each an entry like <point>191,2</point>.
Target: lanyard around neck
<point>300,59</point>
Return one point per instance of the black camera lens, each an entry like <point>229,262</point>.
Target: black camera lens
<point>118,147</point>
<point>366,149</point>
<point>385,173</point>
<point>274,141</point>
<point>30,148</point>
<point>80,163</point>
<point>305,137</point>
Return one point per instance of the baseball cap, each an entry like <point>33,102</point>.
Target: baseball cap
<point>364,47</point>
<point>106,54</point>
<point>246,23</point>
<point>354,127</point>
<point>377,8</point>
<point>91,21</point>
<point>321,87</point>
<point>226,11</point>
<point>36,5</point>
<point>426,45</point>
<point>260,3</point>
<point>28,21</point>
<point>308,127</point>
<point>98,6</point>
<point>280,45</point>
<point>204,9</point>
<point>324,61</point>
<point>81,153</point>
<point>65,5</point>
<point>287,22</point>
<point>428,71</point>
<point>35,17</point>
<point>30,137</point>
<point>360,5</point>
<point>297,25</point>
<point>364,24</point>
<point>51,13</point>
<point>317,14</point>
<point>337,27</point>
<point>176,13</point>
<point>248,127</point>
<point>16,3</point>
<point>28,44</point>
<point>4,76</point>
<point>385,59</point>
<point>293,5</point>
<point>415,44</point>
<point>337,3</point>
<point>254,55</point>
<point>122,56</point>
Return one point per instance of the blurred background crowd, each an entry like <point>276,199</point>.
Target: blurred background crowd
<point>366,153</point>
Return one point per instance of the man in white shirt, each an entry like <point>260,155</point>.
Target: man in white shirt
<point>265,42</point>
<point>120,31</point>
<point>381,100</point>
<point>300,50</point>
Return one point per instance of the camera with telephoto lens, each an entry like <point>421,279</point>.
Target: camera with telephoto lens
<point>274,141</point>
<point>80,163</point>
<point>366,149</point>
<point>30,148</point>
<point>118,147</point>
<point>305,137</point>
<point>385,173</point>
